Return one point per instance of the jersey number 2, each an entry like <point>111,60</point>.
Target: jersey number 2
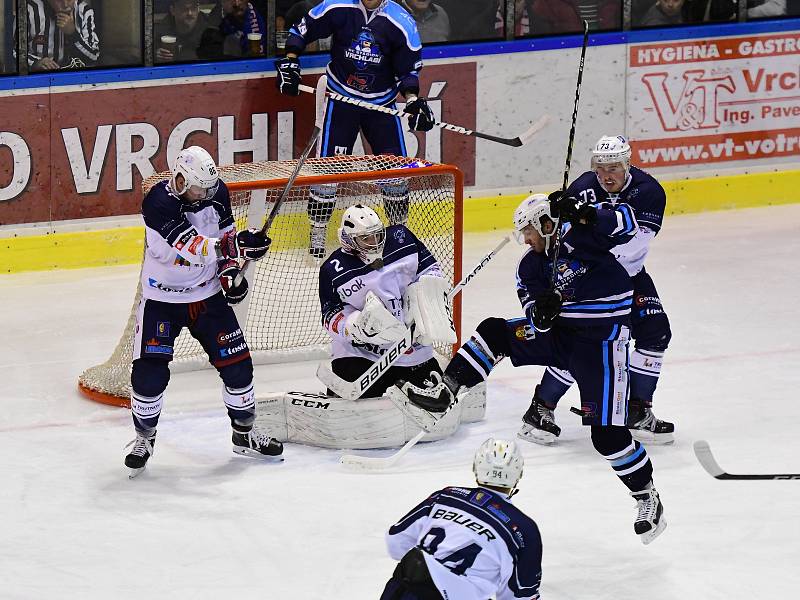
<point>462,559</point>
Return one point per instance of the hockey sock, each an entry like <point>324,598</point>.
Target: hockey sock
<point>395,200</point>
<point>645,369</point>
<point>626,456</point>
<point>554,384</point>
<point>145,411</point>
<point>477,357</point>
<point>241,405</point>
<point>321,202</point>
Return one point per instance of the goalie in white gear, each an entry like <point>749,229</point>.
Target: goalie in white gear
<point>469,543</point>
<point>381,280</point>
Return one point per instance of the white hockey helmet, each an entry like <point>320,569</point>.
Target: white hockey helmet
<point>498,463</point>
<point>200,174</point>
<point>532,211</point>
<point>362,233</point>
<point>610,150</point>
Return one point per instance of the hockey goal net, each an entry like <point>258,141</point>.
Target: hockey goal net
<point>282,312</point>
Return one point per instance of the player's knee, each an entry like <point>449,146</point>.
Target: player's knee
<point>237,375</point>
<point>493,332</point>
<point>608,440</point>
<point>653,334</point>
<point>149,376</point>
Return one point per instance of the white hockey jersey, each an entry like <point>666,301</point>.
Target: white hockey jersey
<point>344,281</point>
<point>477,544</point>
<point>180,261</point>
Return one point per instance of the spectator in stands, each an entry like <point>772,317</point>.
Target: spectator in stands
<point>567,16</point>
<point>522,17</point>
<point>62,34</point>
<point>229,38</point>
<point>185,22</point>
<point>433,23</point>
<point>470,19</point>
<point>757,9</point>
<point>663,13</point>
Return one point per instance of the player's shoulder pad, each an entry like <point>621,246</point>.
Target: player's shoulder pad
<point>161,204</point>
<point>401,18</point>
<point>584,181</point>
<point>642,179</point>
<point>328,5</point>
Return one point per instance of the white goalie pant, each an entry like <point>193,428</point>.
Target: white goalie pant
<point>319,420</point>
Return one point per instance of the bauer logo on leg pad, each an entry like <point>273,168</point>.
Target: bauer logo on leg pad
<point>380,367</point>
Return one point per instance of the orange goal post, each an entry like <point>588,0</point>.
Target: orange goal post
<point>281,314</point>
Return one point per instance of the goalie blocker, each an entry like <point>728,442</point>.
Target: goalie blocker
<point>367,423</point>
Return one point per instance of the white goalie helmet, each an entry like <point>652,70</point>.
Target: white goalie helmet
<point>362,233</point>
<point>200,174</point>
<point>610,150</point>
<point>532,211</point>
<point>498,463</point>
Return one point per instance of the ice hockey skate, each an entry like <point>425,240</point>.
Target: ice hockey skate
<point>645,427</point>
<point>425,405</point>
<point>650,521</point>
<point>137,459</point>
<point>316,246</point>
<point>256,443</point>
<point>539,424</point>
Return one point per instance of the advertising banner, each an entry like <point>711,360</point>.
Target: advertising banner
<point>715,100</point>
<point>82,152</point>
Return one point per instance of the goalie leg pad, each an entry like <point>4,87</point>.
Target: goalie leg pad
<point>425,303</point>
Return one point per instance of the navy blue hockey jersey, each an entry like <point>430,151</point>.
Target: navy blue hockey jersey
<point>180,261</point>
<point>344,281</point>
<point>477,544</point>
<point>373,53</point>
<point>595,288</point>
<point>647,199</point>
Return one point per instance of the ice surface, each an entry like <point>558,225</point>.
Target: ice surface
<point>203,523</point>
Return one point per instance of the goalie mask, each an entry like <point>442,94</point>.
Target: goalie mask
<point>362,233</point>
<point>498,463</point>
<point>200,175</point>
<point>534,210</point>
<point>612,150</point>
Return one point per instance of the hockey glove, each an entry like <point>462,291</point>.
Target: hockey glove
<point>288,80</point>
<point>250,244</point>
<point>227,272</point>
<point>421,118</point>
<point>571,209</point>
<point>546,308</point>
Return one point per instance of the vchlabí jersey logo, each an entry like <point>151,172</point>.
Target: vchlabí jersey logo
<point>364,50</point>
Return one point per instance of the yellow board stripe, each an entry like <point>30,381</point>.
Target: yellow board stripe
<point>125,245</point>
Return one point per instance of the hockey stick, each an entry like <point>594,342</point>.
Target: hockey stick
<point>516,142</point>
<point>703,452</point>
<point>570,143</point>
<point>352,390</point>
<point>319,117</point>
<point>379,463</point>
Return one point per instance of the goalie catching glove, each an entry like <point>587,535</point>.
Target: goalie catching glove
<point>373,325</point>
<point>227,272</point>
<point>425,304</point>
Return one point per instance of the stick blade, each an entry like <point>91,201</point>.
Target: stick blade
<point>365,464</point>
<point>703,453</point>
<point>534,129</point>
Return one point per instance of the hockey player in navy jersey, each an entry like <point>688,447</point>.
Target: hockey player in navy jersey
<point>469,543</point>
<point>381,280</point>
<point>188,280</point>
<point>613,179</point>
<point>581,325</point>
<point>375,54</point>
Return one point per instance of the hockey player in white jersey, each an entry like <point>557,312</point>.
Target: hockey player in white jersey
<point>381,280</point>
<point>613,179</point>
<point>188,280</point>
<point>469,543</point>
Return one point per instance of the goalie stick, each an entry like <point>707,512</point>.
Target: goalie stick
<point>352,390</point>
<point>319,117</point>
<point>703,452</point>
<point>516,142</point>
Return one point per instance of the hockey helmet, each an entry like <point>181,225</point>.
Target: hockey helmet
<point>362,233</point>
<point>200,175</point>
<point>611,150</point>
<point>533,211</point>
<point>498,463</point>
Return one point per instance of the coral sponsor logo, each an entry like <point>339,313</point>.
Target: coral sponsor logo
<point>225,338</point>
